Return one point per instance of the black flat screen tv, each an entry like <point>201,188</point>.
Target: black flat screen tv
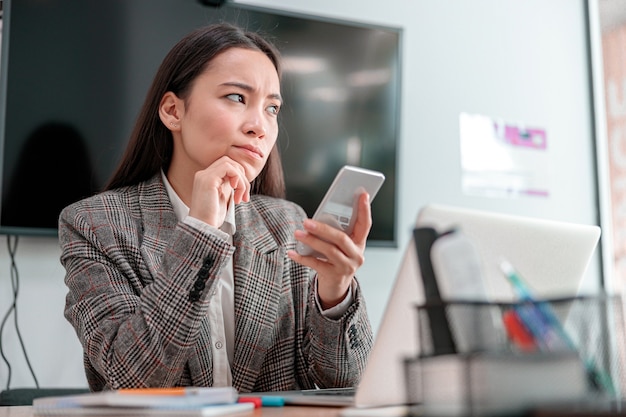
<point>75,72</point>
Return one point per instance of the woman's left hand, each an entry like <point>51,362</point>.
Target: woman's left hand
<point>344,253</point>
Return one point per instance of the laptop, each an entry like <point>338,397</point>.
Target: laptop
<point>553,257</point>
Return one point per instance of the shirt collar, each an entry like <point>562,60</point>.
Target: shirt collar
<point>181,210</point>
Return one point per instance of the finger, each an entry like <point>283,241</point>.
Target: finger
<point>336,247</point>
<point>325,238</point>
<point>321,266</point>
<point>360,231</point>
<point>238,189</point>
<point>315,243</point>
<point>214,186</point>
<point>363,222</point>
<point>239,183</point>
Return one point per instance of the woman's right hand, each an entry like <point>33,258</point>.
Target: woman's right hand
<point>213,187</point>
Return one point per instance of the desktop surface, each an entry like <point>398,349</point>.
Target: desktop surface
<point>287,411</point>
<point>559,410</point>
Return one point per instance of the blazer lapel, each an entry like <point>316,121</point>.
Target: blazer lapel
<point>158,223</point>
<point>258,282</point>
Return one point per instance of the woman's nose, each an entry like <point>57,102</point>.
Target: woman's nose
<point>255,125</point>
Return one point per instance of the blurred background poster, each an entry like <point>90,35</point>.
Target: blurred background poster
<point>613,51</point>
<point>503,159</point>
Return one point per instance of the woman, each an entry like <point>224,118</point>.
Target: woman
<point>183,271</point>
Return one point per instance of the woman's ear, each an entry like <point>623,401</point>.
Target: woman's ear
<point>170,110</point>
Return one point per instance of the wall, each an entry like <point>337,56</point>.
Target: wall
<point>521,60</point>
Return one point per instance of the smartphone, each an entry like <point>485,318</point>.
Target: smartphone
<point>339,203</point>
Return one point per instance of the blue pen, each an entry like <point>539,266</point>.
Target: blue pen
<point>272,401</point>
<point>547,329</point>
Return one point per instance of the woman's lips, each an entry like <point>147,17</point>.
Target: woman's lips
<point>253,150</point>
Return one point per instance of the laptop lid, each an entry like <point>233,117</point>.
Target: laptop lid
<point>552,256</point>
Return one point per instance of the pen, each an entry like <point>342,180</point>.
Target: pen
<point>263,401</point>
<point>226,393</point>
<point>176,391</point>
<point>154,391</point>
<point>272,401</point>
<point>254,400</point>
<point>517,331</point>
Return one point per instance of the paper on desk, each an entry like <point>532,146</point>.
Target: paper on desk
<point>144,398</point>
<point>182,402</point>
<point>202,411</point>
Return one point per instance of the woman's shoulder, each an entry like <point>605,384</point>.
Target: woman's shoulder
<point>102,200</point>
<point>123,199</point>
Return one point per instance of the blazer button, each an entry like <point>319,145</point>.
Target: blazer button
<point>199,284</point>
<point>194,295</point>
<point>208,262</point>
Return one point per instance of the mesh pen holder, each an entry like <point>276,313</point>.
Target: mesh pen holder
<point>585,330</point>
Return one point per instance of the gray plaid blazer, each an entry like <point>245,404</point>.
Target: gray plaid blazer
<point>138,294</point>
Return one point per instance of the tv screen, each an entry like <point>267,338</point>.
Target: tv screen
<point>74,75</point>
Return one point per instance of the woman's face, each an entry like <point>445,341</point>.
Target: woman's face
<point>231,111</point>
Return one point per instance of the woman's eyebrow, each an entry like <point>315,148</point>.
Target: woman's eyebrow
<point>275,97</point>
<point>249,88</point>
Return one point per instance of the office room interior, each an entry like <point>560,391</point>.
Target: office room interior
<point>529,64</point>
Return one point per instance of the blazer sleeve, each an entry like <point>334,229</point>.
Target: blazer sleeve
<point>138,328</point>
<point>337,350</point>
<point>330,352</point>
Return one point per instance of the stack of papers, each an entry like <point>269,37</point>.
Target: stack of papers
<point>145,402</point>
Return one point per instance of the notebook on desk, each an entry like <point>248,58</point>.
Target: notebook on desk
<point>553,256</point>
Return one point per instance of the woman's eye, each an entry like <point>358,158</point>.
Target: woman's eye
<point>235,97</point>
<point>273,109</point>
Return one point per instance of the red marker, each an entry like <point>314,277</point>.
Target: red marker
<point>254,400</point>
<point>517,331</point>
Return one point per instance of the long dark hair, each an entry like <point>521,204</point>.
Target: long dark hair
<point>151,145</point>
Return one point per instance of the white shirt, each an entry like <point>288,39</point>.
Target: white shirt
<point>222,306</point>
